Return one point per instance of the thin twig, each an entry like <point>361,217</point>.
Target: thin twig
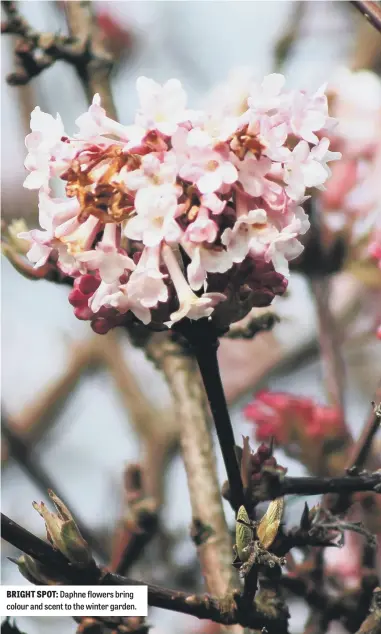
<point>274,486</point>
<point>362,448</point>
<point>370,10</point>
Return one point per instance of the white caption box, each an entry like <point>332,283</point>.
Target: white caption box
<point>73,601</point>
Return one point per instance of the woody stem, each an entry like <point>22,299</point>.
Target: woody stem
<point>203,339</point>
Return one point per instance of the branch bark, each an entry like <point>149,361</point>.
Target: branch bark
<point>210,529</point>
<point>95,67</point>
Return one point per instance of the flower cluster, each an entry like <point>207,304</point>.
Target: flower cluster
<point>284,417</point>
<point>184,213</point>
<point>352,198</point>
<point>353,191</point>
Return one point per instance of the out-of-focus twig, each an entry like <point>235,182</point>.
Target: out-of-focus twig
<point>367,49</point>
<point>140,524</point>
<point>158,432</point>
<point>157,427</point>
<point>372,623</point>
<point>84,49</point>
<point>349,611</point>
<point>20,452</point>
<point>370,10</point>
<point>39,415</point>
<point>330,349</point>
<point>95,61</point>
<point>283,46</point>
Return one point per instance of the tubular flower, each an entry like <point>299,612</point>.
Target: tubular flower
<point>183,214</point>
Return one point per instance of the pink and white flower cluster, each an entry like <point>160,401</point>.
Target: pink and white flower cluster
<point>353,196</point>
<point>184,213</point>
<point>353,193</point>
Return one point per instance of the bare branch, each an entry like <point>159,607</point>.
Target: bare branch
<point>84,49</point>
<point>225,610</point>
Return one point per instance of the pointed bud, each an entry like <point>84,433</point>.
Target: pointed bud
<point>35,572</point>
<point>305,522</point>
<point>63,533</point>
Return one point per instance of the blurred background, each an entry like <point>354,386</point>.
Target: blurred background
<point>60,385</point>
